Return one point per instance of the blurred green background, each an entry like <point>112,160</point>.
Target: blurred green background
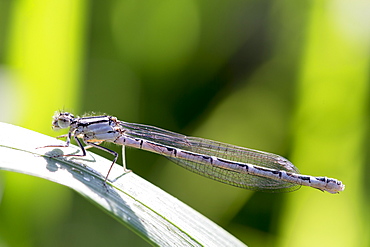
<point>288,77</point>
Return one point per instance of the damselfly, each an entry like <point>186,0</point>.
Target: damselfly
<point>233,165</point>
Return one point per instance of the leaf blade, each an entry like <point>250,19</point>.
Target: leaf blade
<point>150,212</point>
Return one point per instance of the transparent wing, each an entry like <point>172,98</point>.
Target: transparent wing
<point>241,180</point>
<point>221,150</point>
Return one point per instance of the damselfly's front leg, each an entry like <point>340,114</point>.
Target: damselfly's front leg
<point>83,148</point>
<point>68,141</point>
<point>66,136</point>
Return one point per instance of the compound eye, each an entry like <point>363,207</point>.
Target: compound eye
<point>64,123</point>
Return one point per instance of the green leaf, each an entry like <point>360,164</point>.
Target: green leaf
<point>156,216</point>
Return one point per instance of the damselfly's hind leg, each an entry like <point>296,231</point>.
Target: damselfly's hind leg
<point>90,144</point>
